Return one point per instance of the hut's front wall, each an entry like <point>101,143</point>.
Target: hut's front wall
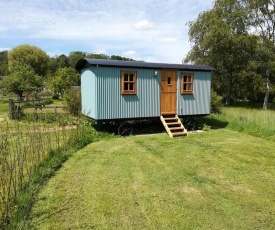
<point>199,102</point>
<point>111,104</point>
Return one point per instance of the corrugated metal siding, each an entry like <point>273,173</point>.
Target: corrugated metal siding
<point>88,93</point>
<point>101,97</point>
<point>112,105</point>
<point>199,102</point>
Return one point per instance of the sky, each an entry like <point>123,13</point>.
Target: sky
<point>148,30</point>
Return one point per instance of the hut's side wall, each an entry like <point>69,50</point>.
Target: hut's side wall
<point>88,93</point>
<point>199,102</point>
<point>111,104</point>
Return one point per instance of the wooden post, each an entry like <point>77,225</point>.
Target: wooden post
<point>11,105</point>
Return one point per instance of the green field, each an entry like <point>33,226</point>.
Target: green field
<point>219,179</point>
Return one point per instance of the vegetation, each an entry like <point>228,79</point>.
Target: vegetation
<point>216,102</point>
<point>206,181</point>
<point>63,80</point>
<point>22,79</point>
<point>244,61</point>
<point>4,63</point>
<point>212,180</point>
<point>32,56</point>
<point>27,69</point>
<point>24,147</point>
<point>72,101</point>
<point>256,122</point>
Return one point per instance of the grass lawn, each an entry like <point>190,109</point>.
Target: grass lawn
<point>219,179</point>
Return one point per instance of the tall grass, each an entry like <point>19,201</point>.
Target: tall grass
<point>22,149</point>
<point>256,122</point>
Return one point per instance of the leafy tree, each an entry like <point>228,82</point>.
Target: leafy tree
<point>116,57</point>
<point>33,56</point>
<point>63,79</point>
<point>219,38</point>
<point>262,19</point>
<point>58,62</point>
<point>75,56</point>
<point>23,78</point>
<point>4,63</point>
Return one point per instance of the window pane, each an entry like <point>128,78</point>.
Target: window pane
<point>126,86</point>
<point>169,80</point>
<point>184,87</point>
<point>126,77</point>
<point>131,77</point>
<point>185,78</point>
<point>188,87</point>
<point>131,86</point>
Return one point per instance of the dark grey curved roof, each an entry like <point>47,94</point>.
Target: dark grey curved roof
<point>87,62</point>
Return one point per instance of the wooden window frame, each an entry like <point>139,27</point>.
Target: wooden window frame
<point>128,83</point>
<point>186,82</point>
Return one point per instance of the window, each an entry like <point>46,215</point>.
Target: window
<point>128,83</point>
<point>187,83</point>
<point>169,81</point>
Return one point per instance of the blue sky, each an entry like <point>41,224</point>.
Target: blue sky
<point>148,30</point>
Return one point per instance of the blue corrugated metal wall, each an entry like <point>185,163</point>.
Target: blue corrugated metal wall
<point>88,93</point>
<point>199,102</point>
<point>110,104</point>
<point>101,97</point>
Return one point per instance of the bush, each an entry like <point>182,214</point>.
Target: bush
<point>55,97</point>
<point>72,101</point>
<point>216,102</point>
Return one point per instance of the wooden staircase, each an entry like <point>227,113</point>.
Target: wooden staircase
<point>173,125</point>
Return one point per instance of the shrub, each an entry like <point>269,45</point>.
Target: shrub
<point>72,100</point>
<point>216,102</point>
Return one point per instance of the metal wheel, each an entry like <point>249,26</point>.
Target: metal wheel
<point>189,123</point>
<point>125,129</point>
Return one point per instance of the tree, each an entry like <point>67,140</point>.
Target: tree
<point>33,56</point>
<point>63,79</point>
<point>58,62</point>
<point>75,56</point>
<point>219,38</point>
<point>23,78</point>
<point>4,63</point>
<point>262,19</point>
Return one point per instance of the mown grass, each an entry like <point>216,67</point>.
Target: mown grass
<point>219,179</point>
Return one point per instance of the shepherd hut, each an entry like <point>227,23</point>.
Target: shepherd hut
<point>127,90</point>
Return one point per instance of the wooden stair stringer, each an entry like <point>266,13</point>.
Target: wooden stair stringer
<point>173,126</point>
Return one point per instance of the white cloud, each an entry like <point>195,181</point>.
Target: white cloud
<point>130,53</point>
<point>100,51</point>
<point>151,30</point>
<point>143,25</point>
<point>4,49</point>
<point>169,39</point>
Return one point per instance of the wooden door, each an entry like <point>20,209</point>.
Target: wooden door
<point>168,92</point>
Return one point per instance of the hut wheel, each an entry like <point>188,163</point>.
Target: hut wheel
<point>125,129</point>
<point>189,123</point>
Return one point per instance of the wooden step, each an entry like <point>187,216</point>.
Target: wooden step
<point>170,118</point>
<point>173,126</point>
<point>180,134</point>
<point>177,128</point>
<point>173,123</point>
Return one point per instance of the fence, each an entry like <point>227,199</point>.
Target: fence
<point>16,106</point>
<point>22,148</point>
